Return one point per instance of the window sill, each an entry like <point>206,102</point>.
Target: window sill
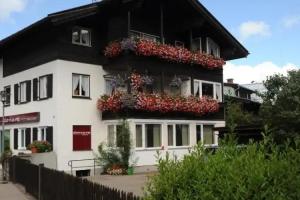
<point>148,149</point>
<point>80,97</point>
<point>42,99</point>
<point>80,44</point>
<point>83,150</point>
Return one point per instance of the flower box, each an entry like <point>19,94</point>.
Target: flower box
<point>166,52</point>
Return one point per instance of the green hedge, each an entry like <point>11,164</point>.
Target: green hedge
<point>253,172</point>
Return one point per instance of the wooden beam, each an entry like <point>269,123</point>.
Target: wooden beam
<point>162,24</point>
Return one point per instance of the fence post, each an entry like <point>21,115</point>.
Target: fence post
<point>40,181</point>
<point>14,169</point>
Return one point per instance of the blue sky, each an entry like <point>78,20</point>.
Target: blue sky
<point>269,29</point>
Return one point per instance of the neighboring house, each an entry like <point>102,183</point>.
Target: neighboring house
<point>242,94</point>
<point>259,88</point>
<point>56,72</point>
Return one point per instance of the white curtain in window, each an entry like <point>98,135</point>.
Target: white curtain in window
<point>156,136</point>
<point>138,136</point>
<point>108,87</point>
<point>208,134</point>
<point>76,86</point>
<point>218,92</point>
<point>85,84</point>
<point>43,87</point>
<point>85,37</point>
<point>185,88</point>
<point>23,92</point>
<point>196,89</point>
<point>185,135</point>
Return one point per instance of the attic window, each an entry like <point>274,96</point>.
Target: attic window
<point>212,48</point>
<point>81,36</point>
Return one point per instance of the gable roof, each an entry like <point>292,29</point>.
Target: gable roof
<point>90,9</point>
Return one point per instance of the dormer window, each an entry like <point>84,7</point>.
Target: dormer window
<point>196,45</point>
<point>81,36</point>
<point>179,44</point>
<point>212,48</point>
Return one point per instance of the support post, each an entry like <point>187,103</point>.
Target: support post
<point>128,23</point>
<point>40,181</point>
<point>191,39</point>
<point>2,134</point>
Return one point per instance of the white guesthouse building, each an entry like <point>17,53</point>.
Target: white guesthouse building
<point>55,71</point>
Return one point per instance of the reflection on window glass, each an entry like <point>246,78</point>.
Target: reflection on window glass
<point>153,135</point>
<point>208,89</point>
<point>111,135</point>
<point>170,135</point>
<point>208,134</point>
<point>182,135</point>
<point>138,136</point>
<point>198,132</point>
<point>76,36</point>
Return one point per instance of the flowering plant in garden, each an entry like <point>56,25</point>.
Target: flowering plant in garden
<point>167,52</point>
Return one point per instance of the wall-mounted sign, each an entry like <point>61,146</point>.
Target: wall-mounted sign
<point>22,118</point>
<point>81,138</point>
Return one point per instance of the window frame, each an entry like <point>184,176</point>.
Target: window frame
<point>202,135</point>
<point>174,135</point>
<point>215,84</point>
<point>80,28</point>
<point>39,88</point>
<point>22,131</point>
<point>115,143</point>
<point>20,92</point>
<point>144,136</point>
<point>80,82</point>
<point>194,43</point>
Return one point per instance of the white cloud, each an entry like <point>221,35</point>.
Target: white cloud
<point>291,21</point>
<point>8,7</point>
<point>244,74</point>
<point>254,28</point>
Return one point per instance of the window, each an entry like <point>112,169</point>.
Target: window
<point>205,134</point>
<point>209,89</point>
<point>148,135</point>
<point>81,85</point>
<point>113,135</point>
<point>196,45</point>
<point>6,139</point>
<point>81,138</point>
<point>152,135</point>
<point>42,87</point>
<point>42,134</point>
<point>7,90</point>
<point>81,36</point>
<point>22,92</point>
<point>114,83</point>
<point>22,138</point>
<point>212,48</point>
<point>179,132</point>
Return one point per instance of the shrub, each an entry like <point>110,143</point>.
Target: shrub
<point>258,171</point>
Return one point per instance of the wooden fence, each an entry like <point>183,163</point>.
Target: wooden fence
<point>48,184</point>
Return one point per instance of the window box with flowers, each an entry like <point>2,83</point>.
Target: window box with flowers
<point>166,52</point>
<point>40,147</point>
